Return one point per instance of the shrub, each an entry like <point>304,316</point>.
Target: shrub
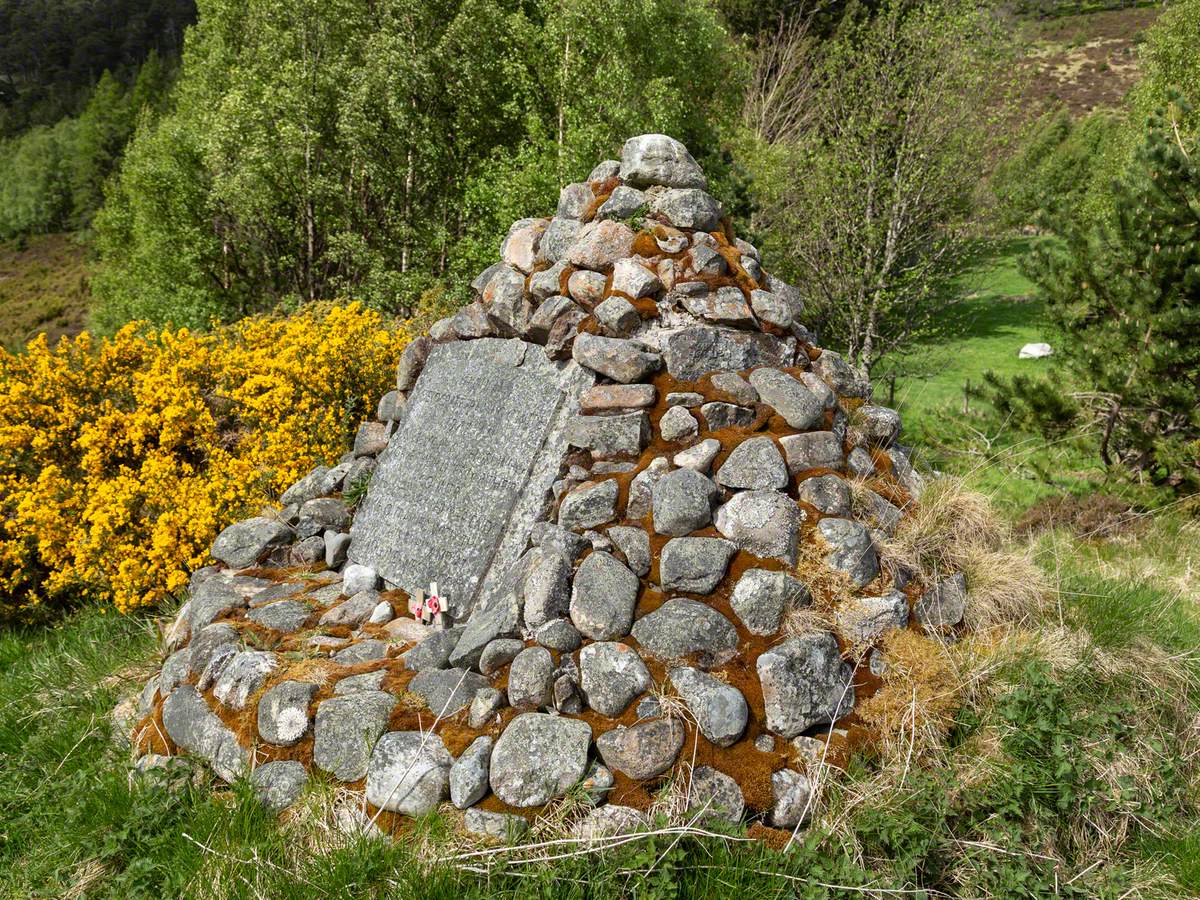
<point>121,458</point>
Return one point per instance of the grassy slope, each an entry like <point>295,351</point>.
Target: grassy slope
<point>43,288</point>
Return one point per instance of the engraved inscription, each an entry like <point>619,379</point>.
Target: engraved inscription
<point>443,497</point>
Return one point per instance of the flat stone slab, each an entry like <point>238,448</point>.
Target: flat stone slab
<point>457,491</point>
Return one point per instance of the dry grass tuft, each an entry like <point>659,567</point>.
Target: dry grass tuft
<point>933,536</point>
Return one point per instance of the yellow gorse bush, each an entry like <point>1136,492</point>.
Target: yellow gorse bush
<point>121,458</point>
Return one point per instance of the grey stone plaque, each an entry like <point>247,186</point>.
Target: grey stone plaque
<point>465,477</point>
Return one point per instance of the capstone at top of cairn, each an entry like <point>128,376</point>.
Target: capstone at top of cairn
<point>710,485</point>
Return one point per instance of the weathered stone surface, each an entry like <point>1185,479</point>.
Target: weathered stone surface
<point>361,652</point>
<point>621,360</point>
<point>603,597</point>
<point>724,306</point>
<point>696,350</point>
<point>643,751</point>
<point>599,244</point>
<point>705,260</point>
<point>612,674</point>
<point>550,538</point>
<point>683,501</point>
<point>242,544</point>
<point>851,549</point>
<point>609,397</point>
<point>245,674</point>
<point>793,795</point>
<point>677,424</point>
<point>471,322</point>
<point>683,628</point>
<point>574,200</point>
<point>415,355</point>
<point>846,380</point>
<point>279,784</point>
<point>859,463</point>
<point>531,679</point>
<point>520,247</point>
<point>714,795</point>
<point>943,604</point>
<point>371,439</point>
<point>307,552</point>
<point>765,523</point>
<point>205,645</point>
<point>357,578</point>
<point>738,389</point>
<point>634,280</point>
<point>608,821</point>
<point>624,434</point>
<point>688,399</point>
<point>754,464</point>
<point>485,706</point>
<point>771,309</point>
<point>718,415</point>
<point>878,512</point>
<point>824,394</point>
<point>695,564</point>
<point>196,729</point>
<point>346,729</point>
<point>641,488</point>
<point>687,208</point>
<point>586,288</point>
<point>501,617</point>
<point>634,544</point>
<point>617,316</point>
<point>788,397</point>
<point>490,408</point>
<point>622,203</point>
<point>878,425</point>
<point>509,308</point>
<point>446,691</point>
<point>283,712</point>
<point>433,652</point>
<point>698,457</point>
<point>558,237</point>
<point>591,504</point>
<point>175,670</point>
<point>469,773</point>
<point>762,597</point>
<point>353,611</point>
<point>409,772</point>
<point>547,588</point>
<point>542,321</point>
<point>320,482</point>
<point>650,159</point>
<point>506,827</point>
<point>827,493</point>
<point>813,450</point>
<point>367,681</point>
<point>284,616</point>
<point>539,757</point>
<point>805,683</point>
<point>864,620</point>
<point>720,709</point>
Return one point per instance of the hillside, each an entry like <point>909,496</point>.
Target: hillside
<point>43,288</point>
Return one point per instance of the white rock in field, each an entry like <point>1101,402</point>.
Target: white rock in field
<point>1035,351</point>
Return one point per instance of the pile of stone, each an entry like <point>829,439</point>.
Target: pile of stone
<point>639,485</point>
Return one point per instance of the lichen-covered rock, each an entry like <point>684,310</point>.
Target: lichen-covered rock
<point>793,799</point>
<point>812,450</point>
<point>243,544</point>
<point>641,488</point>
<point>788,397</point>
<point>616,358</point>
<point>354,611</point>
<point>446,691</point>
<point>531,679</point>
<point>644,750</point>
<point>610,397</point>
<point>538,757</point>
<point>686,208</point>
<point>634,544</point>
<point>943,604</point>
<point>246,672</point>
<point>698,457</point>
<point>603,597</point>
<point>677,424</point>
<point>851,550</point>
<point>612,674</point>
<point>622,435</point>
<point>469,773</point>
<point>683,502</point>
<point>765,523</point>
<point>279,784</point>
<point>622,203</point>
<point>762,597</point>
<point>697,350</point>
<point>283,712</point>
<point>409,772</point>
<point>607,821</point>
<point>284,616</point>
<point>720,709</point>
<point>650,159</point>
<point>506,827</point>
<point>346,729</point>
<point>755,464</point>
<point>805,683</point>
<point>433,652</point>
<point>718,415</point>
<point>683,629</point>
<point>828,494</point>
<point>195,728</point>
<point>598,245</point>
<point>591,504</point>
<point>485,706</point>
<point>713,795</point>
<point>695,564</point>
<point>864,620</point>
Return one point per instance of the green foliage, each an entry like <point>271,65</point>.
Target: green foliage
<point>52,177</point>
<point>371,150</point>
<point>1170,65</point>
<point>1124,298</point>
<point>902,113</point>
<point>1064,164</point>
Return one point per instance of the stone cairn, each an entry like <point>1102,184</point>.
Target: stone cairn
<point>677,588</point>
